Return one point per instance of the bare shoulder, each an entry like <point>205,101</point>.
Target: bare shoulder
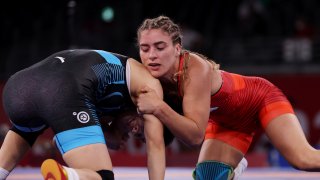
<point>134,62</point>
<point>140,76</point>
<point>199,64</point>
<point>137,69</point>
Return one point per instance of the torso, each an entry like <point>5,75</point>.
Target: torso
<point>174,90</point>
<point>239,101</point>
<point>70,82</point>
<point>236,100</point>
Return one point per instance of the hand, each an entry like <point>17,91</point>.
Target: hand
<point>148,101</point>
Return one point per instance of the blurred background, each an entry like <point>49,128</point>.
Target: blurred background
<point>275,39</point>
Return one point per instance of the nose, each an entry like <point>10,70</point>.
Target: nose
<point>152,54</point>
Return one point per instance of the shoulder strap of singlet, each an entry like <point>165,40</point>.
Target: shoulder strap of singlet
<point>180,70</point>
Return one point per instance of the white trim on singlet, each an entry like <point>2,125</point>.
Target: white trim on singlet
<point>128,72</point>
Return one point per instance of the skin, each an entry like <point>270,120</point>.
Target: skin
<point>161,58</point>
<point>153,53</point>
<point>153,128</point>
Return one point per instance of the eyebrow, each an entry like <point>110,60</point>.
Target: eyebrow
<point>156,43</point>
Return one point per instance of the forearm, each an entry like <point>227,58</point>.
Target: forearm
<point>155,147</point>
<point>156,161</point>
<point>10,155</point>
<point>185,129</point>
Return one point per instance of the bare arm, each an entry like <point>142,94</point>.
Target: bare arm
<point>155,147</point>
<point>155,142</point>
<point>13,148</point>
<point>153,128</point>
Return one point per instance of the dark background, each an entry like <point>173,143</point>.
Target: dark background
<point>240,34</point>
<point>275,39</point>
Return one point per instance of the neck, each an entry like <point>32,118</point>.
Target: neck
<point>170,78</point>
<point>170,89</point>
<point>168,81</point>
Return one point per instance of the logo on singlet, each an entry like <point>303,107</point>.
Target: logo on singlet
<point>213,109</point>
<point>82,116</point>
<point>60,58</point>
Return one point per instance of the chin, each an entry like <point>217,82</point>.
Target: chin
<point>156,74</point>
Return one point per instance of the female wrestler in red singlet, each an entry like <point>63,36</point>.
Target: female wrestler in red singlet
<point>235,105</point>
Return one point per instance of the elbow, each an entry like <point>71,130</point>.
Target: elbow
<point>195,141</point>
<point>198,141</point>
<point>305,163</point>
<point>195,144</point>
<point>198,138</point>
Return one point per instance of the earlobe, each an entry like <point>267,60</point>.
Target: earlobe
<point>135,129</point>
<point>178,49</point>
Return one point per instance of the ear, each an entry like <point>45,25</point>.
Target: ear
<point>135,129</point>
<point>178,49</point>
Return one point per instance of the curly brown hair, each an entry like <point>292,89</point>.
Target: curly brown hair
<point>165,24</point>
<point>174,31</point>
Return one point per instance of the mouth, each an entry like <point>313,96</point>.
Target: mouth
<point>154,66</point>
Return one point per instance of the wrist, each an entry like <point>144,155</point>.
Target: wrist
<point>159,110</point>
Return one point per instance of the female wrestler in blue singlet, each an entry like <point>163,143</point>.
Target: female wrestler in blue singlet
<point>68,92</point>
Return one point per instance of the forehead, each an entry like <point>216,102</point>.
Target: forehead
<point>151,36</point>
<point>136,119</point>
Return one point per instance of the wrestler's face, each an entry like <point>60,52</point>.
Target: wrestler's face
<point>137,128</point>
<point>131,122</point>
<point>158,53</point>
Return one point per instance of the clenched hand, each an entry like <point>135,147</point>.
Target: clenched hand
<point>148,101</point>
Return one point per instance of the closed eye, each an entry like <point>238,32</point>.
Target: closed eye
<point>144,48</point>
